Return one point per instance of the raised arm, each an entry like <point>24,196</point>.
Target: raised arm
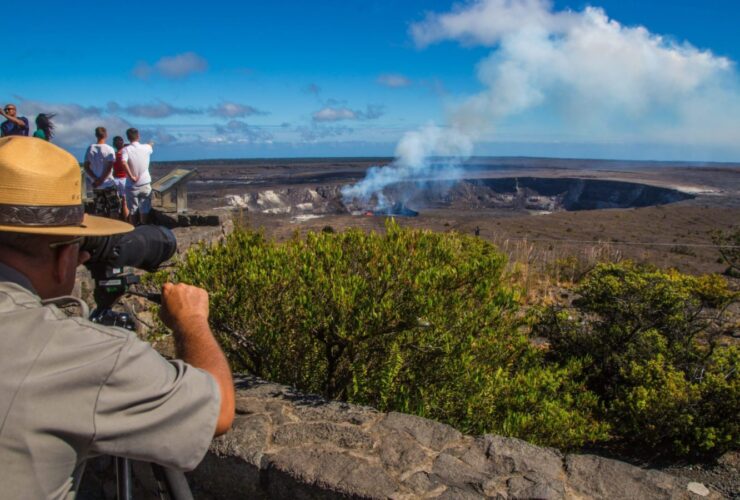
<point>185,311</point>
<point>14,119</point>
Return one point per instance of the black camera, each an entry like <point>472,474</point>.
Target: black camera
<point>146,247</point>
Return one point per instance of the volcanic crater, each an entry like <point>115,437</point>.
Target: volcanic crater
<point>538,194</point>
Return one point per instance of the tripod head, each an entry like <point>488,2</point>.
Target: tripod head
<point>147,247</point>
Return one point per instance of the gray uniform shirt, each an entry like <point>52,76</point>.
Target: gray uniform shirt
<point>71,389</point>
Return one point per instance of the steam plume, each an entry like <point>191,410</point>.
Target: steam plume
<point>421,155</point>
<point>590,75</point>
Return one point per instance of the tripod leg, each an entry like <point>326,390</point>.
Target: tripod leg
<point>124,479</point>
<point>175,482</point>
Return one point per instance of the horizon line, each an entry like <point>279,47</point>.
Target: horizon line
<point>390,159</point>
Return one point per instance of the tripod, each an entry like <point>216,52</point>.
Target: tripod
<point>170,483</point>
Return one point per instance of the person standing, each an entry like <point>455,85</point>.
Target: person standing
<point>136,157</point>
<point>119,175</point>
<point>99,160</point>
<point>13,124</point>
<point>44,126</point>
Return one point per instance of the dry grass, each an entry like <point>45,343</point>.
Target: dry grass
<point>542,272</point>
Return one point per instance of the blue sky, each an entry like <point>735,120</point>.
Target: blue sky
<point>349,78</point>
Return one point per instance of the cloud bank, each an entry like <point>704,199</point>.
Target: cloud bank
<point>74,124</point>
<point>317,133</point>
<point>339,113</point>
<point>237,131</point>
<point>394,81</point>
<point>234,110</point>
<point>173,67</point>
<point>159,109</point>
<point>595,75</point>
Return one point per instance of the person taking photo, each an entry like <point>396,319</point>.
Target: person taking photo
<point>70,388</point>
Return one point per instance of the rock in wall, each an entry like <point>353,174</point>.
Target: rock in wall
<point>287,445</point>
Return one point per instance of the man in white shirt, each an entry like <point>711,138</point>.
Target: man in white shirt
<point>99,160</point>
<point>135,158</point>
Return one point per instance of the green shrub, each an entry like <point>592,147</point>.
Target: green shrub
<point>663,382</point>
<point>728,244</point>
<point>409,320</point>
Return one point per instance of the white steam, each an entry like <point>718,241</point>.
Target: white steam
<point>431,153</point>
<point>592,76</point>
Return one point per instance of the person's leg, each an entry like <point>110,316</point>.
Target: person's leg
<point>142,215</point>
<point>132,203</point>
<point>124,207</point>
<point>121,190</point>
<point>145,203</point>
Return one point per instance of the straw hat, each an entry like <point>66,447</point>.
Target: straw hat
<point>40,192</point>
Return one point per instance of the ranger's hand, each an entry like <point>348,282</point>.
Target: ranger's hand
<point>183,306</point>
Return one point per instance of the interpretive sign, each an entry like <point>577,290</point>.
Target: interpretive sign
<point>173,189</point>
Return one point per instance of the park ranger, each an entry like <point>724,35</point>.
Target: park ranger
<point>69,388</point>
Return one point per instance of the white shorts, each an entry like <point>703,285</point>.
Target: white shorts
<point>120,183</point>
<point>139,199</point>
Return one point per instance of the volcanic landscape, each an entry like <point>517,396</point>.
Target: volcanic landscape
<point>661,213</point>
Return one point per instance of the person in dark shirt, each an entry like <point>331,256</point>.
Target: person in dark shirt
<point>13,124</point>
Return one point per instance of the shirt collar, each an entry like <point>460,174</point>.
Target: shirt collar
<point>8,273</point>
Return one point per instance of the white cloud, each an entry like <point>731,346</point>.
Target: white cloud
<point>159,109</point>
<point>159,136</point>
<point>488,22</point>
<point>235,110</point>
<point>316,133</point>
<point>74,125</point>
<point>335,113</point>
<point>394,81</point>
<point>177,66</point>
<point>594,74</point>
<point>329,114</point>
<point>239,132</point>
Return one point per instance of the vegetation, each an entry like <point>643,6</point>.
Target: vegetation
<point>432,324</point>
<point>728,243</point>
<point>651,340</point>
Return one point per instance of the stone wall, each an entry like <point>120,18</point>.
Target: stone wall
<point>286,445</point>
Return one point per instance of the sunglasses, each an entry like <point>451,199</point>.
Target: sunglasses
<point>7,110</point>
<point>73,241</point>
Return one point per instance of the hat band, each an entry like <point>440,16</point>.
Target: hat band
<point>28,215</point>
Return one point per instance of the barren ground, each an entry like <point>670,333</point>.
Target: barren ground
<point>671,235</point>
